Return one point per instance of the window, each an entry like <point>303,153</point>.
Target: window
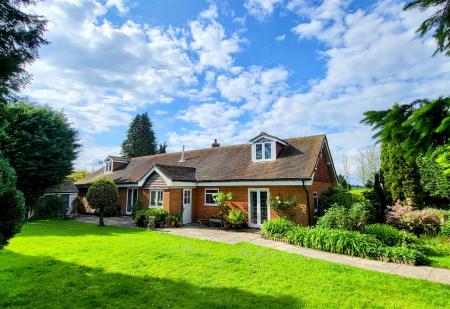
<point>263,151</point>
<point>209,196</point>
<point>316,203</point>
<point>156,198</point>
<point>186,197</point>
<point>109,166</point>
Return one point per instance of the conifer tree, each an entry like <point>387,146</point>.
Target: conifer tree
<point>140,139</point>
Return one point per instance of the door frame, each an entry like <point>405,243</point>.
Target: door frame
<point>190,206</point>
<point>258,206</point>
<point>132,200</point>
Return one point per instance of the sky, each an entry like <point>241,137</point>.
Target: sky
<point>230,69</point>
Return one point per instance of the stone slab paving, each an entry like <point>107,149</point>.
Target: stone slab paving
<point>123,221</point>
<point>439,275</point>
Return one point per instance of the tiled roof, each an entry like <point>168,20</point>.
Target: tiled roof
<point>228,163</point>
<point>65,187</point>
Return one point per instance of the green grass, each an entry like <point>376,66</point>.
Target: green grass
<point>75,265</point>
<point>438,250</point>
<point>359,191</point>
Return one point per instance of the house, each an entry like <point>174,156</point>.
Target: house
<point>185,182</point>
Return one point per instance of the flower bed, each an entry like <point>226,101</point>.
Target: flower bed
<point>341,241</point>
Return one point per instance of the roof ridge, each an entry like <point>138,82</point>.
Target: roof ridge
<point>221,147</point>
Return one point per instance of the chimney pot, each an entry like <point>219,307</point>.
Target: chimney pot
<point>215,144</point>
<point>182,159</point>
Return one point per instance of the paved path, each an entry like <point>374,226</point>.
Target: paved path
<point>440,275</point>
<point>123,221</point>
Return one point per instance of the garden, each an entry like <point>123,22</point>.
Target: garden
<point>348,224</point>
<point>68,264</point>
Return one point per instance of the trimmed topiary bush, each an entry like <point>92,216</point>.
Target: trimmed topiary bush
<point>101,195</point>
<point>389,235</point>
<point>277,228</point>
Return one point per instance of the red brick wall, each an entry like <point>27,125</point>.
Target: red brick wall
<point>240,200</point>
<point>323,171</point>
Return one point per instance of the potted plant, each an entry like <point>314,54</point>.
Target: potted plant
<point>159,214</point>
<point>235,218</point>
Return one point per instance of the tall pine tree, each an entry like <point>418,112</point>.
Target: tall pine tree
<point>21,34</point>
<point>141,140</point>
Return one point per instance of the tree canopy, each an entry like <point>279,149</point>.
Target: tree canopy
<point>103,193</point>
<point>77,175</point>
<point>12,205</point>
<point>141,140</point>
<point>21,34</point>
<point>439,20</point>
<point>415,140</point>
<point>40,145</point>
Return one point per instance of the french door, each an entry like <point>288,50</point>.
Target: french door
<point>132,196</point>
<point>258,209</point>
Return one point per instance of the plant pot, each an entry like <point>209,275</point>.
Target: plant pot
<point>227,226</point>
<point>236,226</point>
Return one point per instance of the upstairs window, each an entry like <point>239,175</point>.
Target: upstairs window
<point>264,150</point>
<point>108,166</point>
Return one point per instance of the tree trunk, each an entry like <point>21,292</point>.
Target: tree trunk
<point>101,223</point>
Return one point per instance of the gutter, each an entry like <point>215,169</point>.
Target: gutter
<point>308,212</point>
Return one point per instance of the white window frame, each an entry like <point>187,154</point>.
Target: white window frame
<point>209,189</point>
<point>109,166</point>
<point>189,191</point>
<point>150,198</point>
<point>273,149</point>
<point>132,200</point>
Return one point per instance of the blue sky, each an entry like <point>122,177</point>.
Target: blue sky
<point>230,69</point>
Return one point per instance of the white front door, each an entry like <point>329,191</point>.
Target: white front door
<point>187,206</point>
<point>258,209</point>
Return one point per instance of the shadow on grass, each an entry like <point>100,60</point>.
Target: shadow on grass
<point>45,282</point>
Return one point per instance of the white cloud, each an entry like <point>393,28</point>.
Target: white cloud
<point>261,8</point>
<point>211,43</point>
<point>91,157</point>
<point>281,37</point>
<point>211,115</point>
<point>256,87</point>
<point>119,5</point>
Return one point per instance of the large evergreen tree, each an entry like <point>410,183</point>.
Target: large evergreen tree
<point>141,140</point>
<point>39,144</point>
<point>439,20</point>
<point>21,34</point>
<point>407,132</point>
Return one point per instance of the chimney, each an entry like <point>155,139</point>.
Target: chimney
<point>182,159</point>
<point>215,143</point>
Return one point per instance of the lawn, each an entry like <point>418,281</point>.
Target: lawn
<point>73,265</point>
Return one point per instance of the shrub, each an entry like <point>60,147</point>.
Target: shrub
<point>159,213</point>
<point>337,241</point>
<point>402,255</point>
<point>49,206</point>
<point>222,199</point>
<point>277,228</point>
<point>12,204</point>
<point>339,217</point>
<point>285,208</point>
<point>341,197</point>
<point>445,229</point>
<point>101,195</point>
<point>235,216</point>
<point>389,235</point>
<point>359,215</point>
<point>425,221</point>
<point>335,218</point>
<point>137,206</point>
<point>140,217</point>
<point>350,243</point>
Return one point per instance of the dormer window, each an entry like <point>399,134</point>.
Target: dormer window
<point>265,147</point>
<point>108,166</point>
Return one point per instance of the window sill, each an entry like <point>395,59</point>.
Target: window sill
<point>155,206</point>
<point>210,205</point>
